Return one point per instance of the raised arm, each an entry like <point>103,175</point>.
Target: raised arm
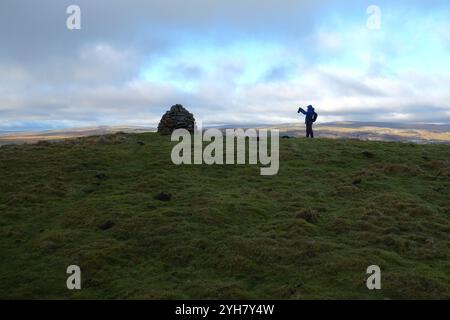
<point>301,110</point>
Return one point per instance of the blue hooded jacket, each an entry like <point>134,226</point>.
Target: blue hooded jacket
<point>310,114</point>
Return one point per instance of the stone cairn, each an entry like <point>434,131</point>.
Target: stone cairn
<point>176,118</point>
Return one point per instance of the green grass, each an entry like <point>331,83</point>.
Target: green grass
<point>309,232</point>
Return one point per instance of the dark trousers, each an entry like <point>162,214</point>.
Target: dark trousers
<point>309,130</point>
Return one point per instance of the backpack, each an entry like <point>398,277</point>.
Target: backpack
<point>314,117</point>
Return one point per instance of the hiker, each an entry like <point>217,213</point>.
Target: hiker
<point>311,117</point>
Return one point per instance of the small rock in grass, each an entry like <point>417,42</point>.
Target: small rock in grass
<point>141,143</point>
<point>356,181</point>
<point>102,176</point>
<point>102,140</point>
<point>106,225</point>
<point>43,143</point>
<point>310,216</point>
<point>162,196</point>
<point>368,154</point>
<point>88,190</point>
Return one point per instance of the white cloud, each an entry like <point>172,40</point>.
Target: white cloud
<point>225,61</point>
<point>329,41</point>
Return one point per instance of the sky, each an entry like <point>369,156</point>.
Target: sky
<point>228,62</point>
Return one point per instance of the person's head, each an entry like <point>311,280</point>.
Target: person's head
<point>310,107</point>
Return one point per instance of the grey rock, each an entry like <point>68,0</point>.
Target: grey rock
<point>106,225</point>
<point>368,154</point>
<point>162,196</point>
<point>176,118</point>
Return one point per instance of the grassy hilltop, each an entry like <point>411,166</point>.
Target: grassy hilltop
<point>336,207</point>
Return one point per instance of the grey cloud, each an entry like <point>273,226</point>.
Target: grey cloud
<point>48,73</point>
<point>33,30</point>
<point>145,102</point>
<point>350,86</point>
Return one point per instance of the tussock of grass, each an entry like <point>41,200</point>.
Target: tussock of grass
<point>336,207</point>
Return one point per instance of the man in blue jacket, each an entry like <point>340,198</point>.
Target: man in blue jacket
<point>311,117</point>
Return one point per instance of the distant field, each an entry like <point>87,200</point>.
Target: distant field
<point>418,133</point>
<point>56,135</point>
<point>336,207</point>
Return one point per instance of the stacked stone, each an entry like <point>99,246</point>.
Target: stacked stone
<point>176,118</point>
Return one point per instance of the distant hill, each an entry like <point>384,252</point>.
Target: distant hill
<point>392,125</point>
<point>53,135</point>
<point>226,232</point>
<point>382,131</point>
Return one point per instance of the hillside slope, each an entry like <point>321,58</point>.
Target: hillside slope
<point>336,207</point>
